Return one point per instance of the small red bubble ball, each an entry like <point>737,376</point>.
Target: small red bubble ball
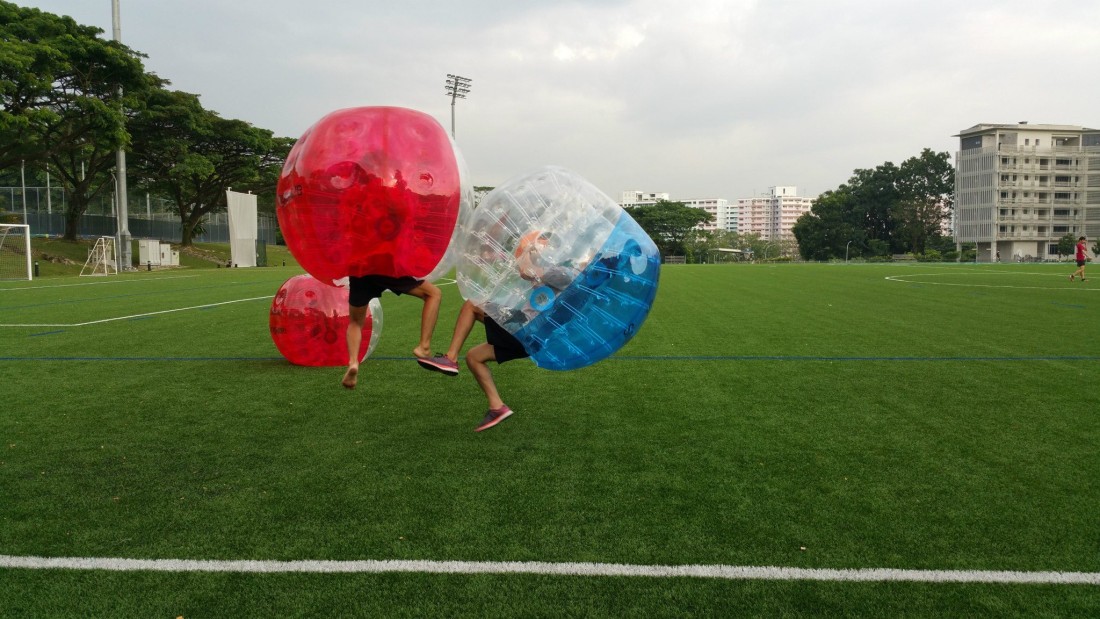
<point>370,191</point>
<point>309,323</point>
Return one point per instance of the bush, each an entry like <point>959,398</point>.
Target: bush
<point>930,255</point>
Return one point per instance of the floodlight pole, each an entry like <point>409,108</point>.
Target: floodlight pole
<point>457,88</point>
<point>125,252</point>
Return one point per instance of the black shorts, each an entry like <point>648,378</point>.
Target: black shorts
<point>505,345</point>
<point>363,289</point>
<point>1080,263</point>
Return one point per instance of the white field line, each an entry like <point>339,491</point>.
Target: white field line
<point>442,282</point>
<point>117,281</point>
<point>132,316</point>
<point>725,572</point>
<point>908,279</point>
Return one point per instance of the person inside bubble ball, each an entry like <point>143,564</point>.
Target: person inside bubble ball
<point>363,289</point>
<point>500,345</point>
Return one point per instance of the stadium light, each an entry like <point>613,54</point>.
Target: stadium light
<point>457,88</point>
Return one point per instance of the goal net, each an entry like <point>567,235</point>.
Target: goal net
<point>15,251</point>
<point>101,259</point>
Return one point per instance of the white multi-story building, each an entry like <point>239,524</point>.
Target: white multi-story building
<point>635,198</point>
<point>1021,187</point>
<point>724,215</point>
<point>773,214</point>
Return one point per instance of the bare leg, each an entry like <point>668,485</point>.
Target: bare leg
<point>432,297</point>
<point>476,360</point>
<point>357,318</point>
<point>467,316</point>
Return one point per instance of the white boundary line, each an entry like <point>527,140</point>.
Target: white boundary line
<point>725,572</point>
<point>906,279</point>
<point>442,282</point>
<point>132,316</point>
<point>116,281</point>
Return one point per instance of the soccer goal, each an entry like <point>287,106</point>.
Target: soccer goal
<point>101,259</point>
<point>15,251</point>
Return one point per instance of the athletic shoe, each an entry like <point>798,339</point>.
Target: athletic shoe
<point>1071,278</point>
<point>439,363</point>
<point>493,417</point>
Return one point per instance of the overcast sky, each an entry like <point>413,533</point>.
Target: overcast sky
<point>697,98</point>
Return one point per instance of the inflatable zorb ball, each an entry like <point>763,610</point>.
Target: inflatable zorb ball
<point>372,191</point>
<point>309,323</point>
<point>560,265</point>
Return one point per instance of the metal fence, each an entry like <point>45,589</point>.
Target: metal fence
<point>147,219</point>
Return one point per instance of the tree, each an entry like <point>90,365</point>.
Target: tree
<point>888,209</point>
<point>926,185</point>
<point>65,94</point>
<point>192,155</point>
<point>1067,245</point>
<point>669,223</point>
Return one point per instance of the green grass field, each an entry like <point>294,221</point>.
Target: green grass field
<point>914,417</point>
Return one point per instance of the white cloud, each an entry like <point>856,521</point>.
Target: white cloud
<point>710,98</point>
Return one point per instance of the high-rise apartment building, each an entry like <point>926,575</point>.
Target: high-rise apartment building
<point>723,214</point>
<point>1021,187</point>
<point>773,214</point>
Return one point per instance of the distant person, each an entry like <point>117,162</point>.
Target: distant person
<point>363,289</point>
<point>1080,260</point>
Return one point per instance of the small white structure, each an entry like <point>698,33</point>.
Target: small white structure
<point>243,220</point>
<point>149,252</point>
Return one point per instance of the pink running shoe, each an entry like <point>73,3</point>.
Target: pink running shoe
<point>439,363</point>
<point>493,417</point>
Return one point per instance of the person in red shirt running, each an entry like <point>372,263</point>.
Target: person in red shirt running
<point>1080,260</point>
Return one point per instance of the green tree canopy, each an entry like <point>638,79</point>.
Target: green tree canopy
<point>64,96</point>
<point>192,155</point>
<point>889,209</point>
<point>1067,245</point>
<point>669,224</point>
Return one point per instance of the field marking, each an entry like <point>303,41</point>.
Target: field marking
<point>134,316</point>
<point>906,279</point>
<point>117,281</point>
<point>445,282</point>
<point>725,572</point>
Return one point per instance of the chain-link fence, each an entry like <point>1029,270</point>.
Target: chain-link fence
<point>45,212</point>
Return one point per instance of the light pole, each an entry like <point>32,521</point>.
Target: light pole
<point>846,251</point>
<point>457,88</point>
<point>120,164</point>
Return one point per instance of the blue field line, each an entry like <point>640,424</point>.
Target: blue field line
<point>624,358</point>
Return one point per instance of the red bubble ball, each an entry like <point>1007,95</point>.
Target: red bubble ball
<point>370,191</point>
<point>309,323</point>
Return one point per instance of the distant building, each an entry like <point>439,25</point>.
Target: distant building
<point>1020,187</point>
<point>724,215</point>
<point>635,198</point>
<point>772,215</point>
